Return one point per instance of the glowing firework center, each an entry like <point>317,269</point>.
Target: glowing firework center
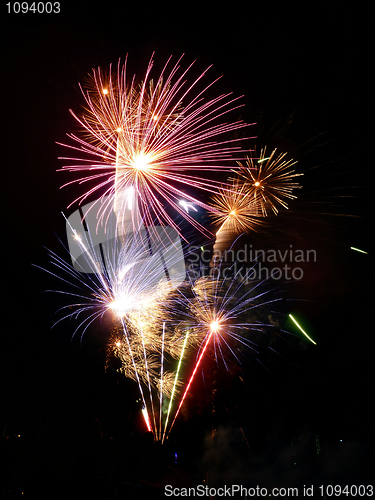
<point>138,263</point>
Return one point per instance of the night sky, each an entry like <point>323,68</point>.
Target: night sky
<point>305,72</point>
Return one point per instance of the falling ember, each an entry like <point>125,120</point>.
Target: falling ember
<point>305,334</point>
<point>147,420</point>
<point>358,250</point>
<point>261,160</point>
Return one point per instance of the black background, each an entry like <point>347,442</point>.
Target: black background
<point>305,72</point>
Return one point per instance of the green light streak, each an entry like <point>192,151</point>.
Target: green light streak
<point>175,383</point>
<point>264,159</point>
<point>305,334</point>
<point>358,250</point>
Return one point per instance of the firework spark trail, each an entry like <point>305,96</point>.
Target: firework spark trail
<point>148,380</point>
<point>301,329</point>
<point>214,316</point>
<point>121,279</point>
<point>143,137</point>
<point>192,377</point>
<point>212,302</point>
<point>161,382</point>
<point>358,250</point>
<point>94,301</point>
<point>93,263</point>
<point>174,385</point>
<point>133,361</point>
<point>147,419</point>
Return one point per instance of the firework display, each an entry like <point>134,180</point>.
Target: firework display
<point>153,137</point>
<point>145,148</point>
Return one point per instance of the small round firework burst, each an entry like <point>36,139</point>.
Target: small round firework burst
<point>268,181</point>
<point>233,210</point>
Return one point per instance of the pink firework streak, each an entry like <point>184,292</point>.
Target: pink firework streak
<point>192,376</point>
<point>156,137</point>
